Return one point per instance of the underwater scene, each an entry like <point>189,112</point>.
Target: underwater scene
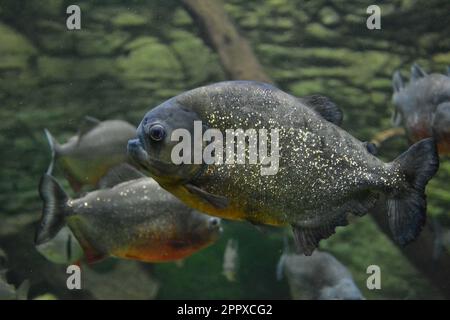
<point>212,149</point>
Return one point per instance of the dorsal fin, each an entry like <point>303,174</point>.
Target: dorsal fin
<point>397,81</point>
<point>325,107</point>
<point>87,125</point>
<point>417,72</point>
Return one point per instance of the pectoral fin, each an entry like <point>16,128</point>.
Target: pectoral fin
<point>263,228</point>
<point>219,202</point>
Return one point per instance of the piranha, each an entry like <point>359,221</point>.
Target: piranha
<point>318,277</point>
<point>133,220</point>
<point>423,106</point>
<point>324,173</point>
<point>97,147</point>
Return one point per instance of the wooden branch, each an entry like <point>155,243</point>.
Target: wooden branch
<point>235,53</point>
<point>421,252</point>
<point>386,135</point>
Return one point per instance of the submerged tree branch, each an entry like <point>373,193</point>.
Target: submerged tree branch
<point>385,135</point>
<point>235,53</point>
<point>421,252</point>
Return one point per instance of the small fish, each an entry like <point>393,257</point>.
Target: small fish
<point>89,155</point>
<point>324,172</point>
<point>319,276</point>
<point>62,249</point>
<point>230,260</point>
<point>133,220</point>
<point>423,106</point>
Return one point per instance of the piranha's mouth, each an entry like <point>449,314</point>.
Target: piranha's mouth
<point>137,152</point>
<point>215,226</point>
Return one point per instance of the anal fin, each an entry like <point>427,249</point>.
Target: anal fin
<point>307,239</point>
<point>307,234</point>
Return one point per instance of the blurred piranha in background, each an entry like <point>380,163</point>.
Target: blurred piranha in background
<point>133,220</point>
<point>89,155</point>
<point>324,172</point>
<point>423,106</point>
<point>318,277</point>
<point>62,249</point>
<point>230,260</point>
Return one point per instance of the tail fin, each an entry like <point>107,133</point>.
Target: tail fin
<point>54,147</point>
<point>407,210</point>
<point>54,211</point>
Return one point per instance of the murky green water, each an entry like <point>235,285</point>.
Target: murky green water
<point>129,56</point>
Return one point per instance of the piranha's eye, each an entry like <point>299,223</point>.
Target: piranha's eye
<point>157,132</point>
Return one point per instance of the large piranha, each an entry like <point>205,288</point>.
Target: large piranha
<point>321,172</point>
